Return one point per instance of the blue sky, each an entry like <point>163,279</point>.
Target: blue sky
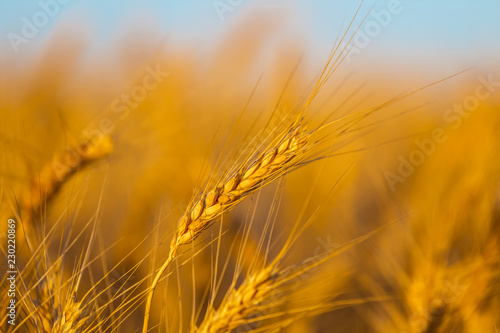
<point>450,28</point>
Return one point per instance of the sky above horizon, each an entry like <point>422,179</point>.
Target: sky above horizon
<point>462,31</point>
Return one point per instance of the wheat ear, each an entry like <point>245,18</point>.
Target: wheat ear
<point>240,303</point>
<point>71,319</point>
<point>248,299</point>
<point>59,315</point>
<point>56,172</point>
<point>279,156</point>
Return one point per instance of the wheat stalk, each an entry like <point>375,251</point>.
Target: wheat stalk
<point>281,154</point>
<point>276,160</point>
<point>48,300</point>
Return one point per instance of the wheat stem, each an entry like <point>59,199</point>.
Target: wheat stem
<point>157,278</point>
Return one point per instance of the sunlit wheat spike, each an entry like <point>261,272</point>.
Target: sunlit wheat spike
<point>57,312</point>
<point>251,176</point>
<point>274,161</point>
<point>71,319</point>
<point>240,303</point>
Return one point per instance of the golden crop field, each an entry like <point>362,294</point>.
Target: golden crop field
<point>257,180</point>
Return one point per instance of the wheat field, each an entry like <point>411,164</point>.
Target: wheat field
<point>252,181</point>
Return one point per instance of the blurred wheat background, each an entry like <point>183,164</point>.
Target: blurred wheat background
<point>251,166</point>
